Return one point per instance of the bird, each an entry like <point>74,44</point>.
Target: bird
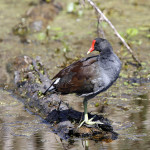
<point>89,76</point>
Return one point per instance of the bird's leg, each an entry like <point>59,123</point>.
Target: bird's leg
<point>86,119</point>
<point>85,102</point>
<point>85,112</point>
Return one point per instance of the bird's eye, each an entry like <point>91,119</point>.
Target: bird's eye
<point>96,43</point>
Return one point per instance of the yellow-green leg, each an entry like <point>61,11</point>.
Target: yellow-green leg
<point>86,119</point>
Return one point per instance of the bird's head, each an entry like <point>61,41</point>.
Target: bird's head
<point>99,44</point>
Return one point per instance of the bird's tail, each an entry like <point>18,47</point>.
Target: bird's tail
<point>50,88</point>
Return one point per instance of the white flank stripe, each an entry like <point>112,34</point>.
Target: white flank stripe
<point>56,81</point>
<point>51,88</point>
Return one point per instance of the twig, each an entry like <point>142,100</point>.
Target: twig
<point>82,2</point>
<point>99,28</point>
<point>116,32</point>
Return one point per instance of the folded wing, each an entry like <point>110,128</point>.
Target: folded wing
<point>77,77</point>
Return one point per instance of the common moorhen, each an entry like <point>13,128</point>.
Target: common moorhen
<point>89,76</point>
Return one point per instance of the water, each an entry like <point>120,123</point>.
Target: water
<point>127,105</point>
<point>130,118</point>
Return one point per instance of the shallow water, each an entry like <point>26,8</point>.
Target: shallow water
<point>127,105</point>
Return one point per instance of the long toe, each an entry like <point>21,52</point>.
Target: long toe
<point>90,122</point>
<point>81,123</point>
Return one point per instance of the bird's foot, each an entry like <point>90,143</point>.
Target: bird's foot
<point>89,121</point>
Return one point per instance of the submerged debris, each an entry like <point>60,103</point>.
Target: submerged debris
<point>36,19</point>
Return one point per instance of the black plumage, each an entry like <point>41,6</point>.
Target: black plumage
<point>89,76</point>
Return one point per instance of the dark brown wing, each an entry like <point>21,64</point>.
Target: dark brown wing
<point>76,78</point>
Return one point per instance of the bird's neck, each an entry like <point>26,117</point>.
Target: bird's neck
<point>106,53</point>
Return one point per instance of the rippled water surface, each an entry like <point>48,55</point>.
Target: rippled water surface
<point>126,104</point>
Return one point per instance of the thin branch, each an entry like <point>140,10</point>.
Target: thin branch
<point>100,30</point>
<point>82,2</point>
<point>116,32</point>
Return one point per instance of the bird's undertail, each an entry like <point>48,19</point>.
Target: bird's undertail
<point>50,89</point>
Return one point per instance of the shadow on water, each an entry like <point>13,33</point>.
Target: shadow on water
<point>126,103</point>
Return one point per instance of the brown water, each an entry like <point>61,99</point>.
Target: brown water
<point>127,105</point>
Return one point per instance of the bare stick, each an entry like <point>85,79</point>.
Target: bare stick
<point>99,28</point>
<point>116,32</point>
